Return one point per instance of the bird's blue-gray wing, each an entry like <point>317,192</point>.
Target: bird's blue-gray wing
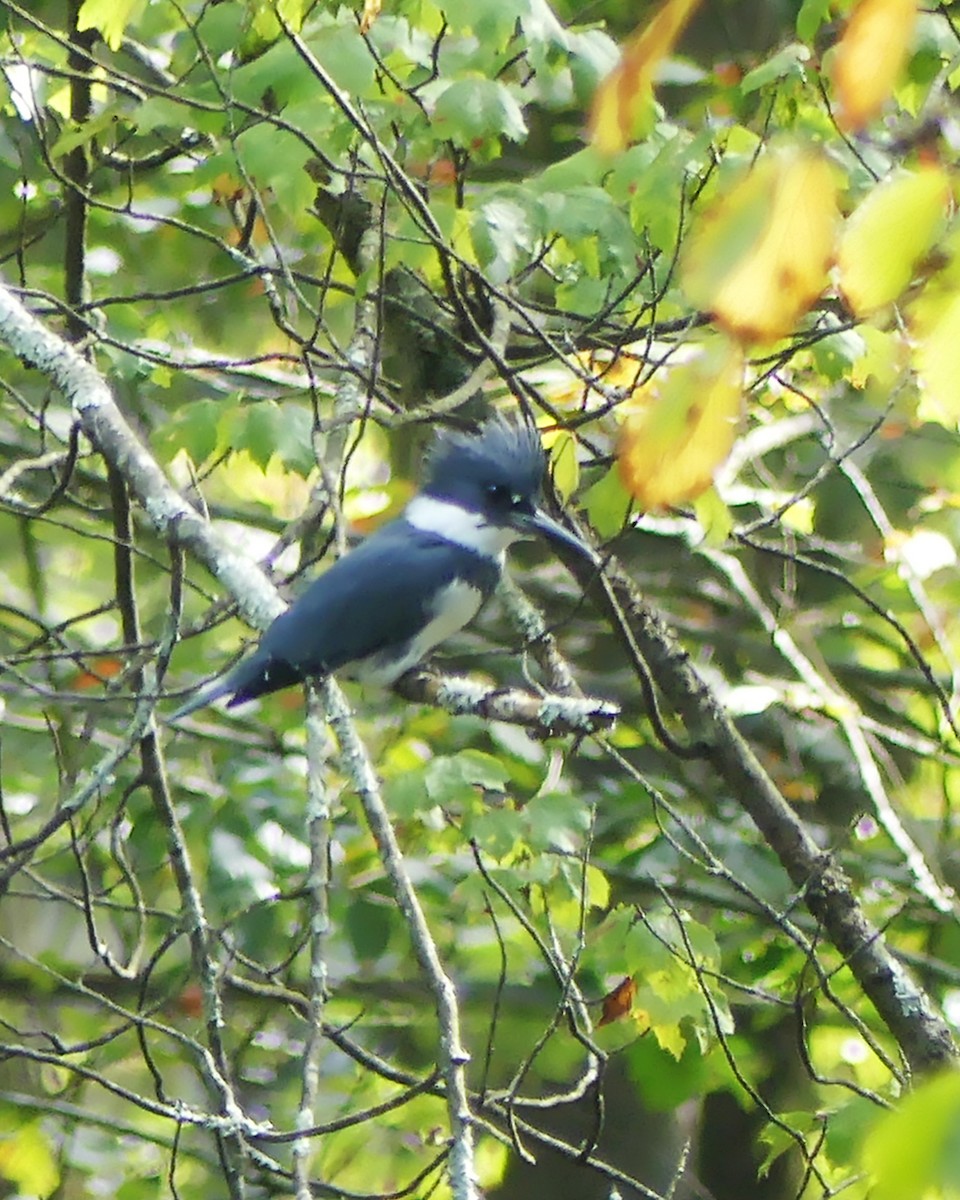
<point>376,597</point>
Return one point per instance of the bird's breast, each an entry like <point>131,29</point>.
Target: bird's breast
<point>454,606</point>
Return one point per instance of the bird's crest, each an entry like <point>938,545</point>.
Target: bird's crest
<point>501,449</point>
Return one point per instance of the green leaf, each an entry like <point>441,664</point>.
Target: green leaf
<point>812,14</point>
<point>369,927</point>
<point>279,76</point>
<point>109,17</point>
<point>495,830</point>
<point>80,135</point>
<point>556,822</point>
<point>593,55</point>
<point>848,1128</point>
<point>501,235</point>
<point>664,1081</point>
<point>345,55</point>
<point>294,438</point>
<point>157,112</point>
<point>219,31</point>
<point>915,1151</point>
<point>835,354</point>
<point>778,1140</point>
<point>192,428</point>
<point>484,769</point>
<point>450,779</point>
<point>714,516</point>
<point>585,168</point>
<point>599,234</point>
<point>608,504</point>
<point>275,161</point>
<point>789,61</point>
<point>145,1187</point>
<point>492,21</point>
<point>564,467</point>
<point>471,110</point>
<point>162,377</point>
<point>406,795</point>
<point>266,428</point>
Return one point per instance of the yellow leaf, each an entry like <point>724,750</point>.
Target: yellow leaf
<point>568,390</point>
<point>935,326</point>
<point>564,468</point>
<point>670,1037</point>
<point>371,10</point>
<point>799,516</point>
<point>293,12</point>
<point>622,103</point>
<point>684,430</point>
<point>598,887</point>
<point>759,258</point>
<point>27,1161</point>
<point>882,359</point>
<point>888,234</point>
<point>869,58</point>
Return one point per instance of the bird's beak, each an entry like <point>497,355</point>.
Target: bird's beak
<point>537,521</point>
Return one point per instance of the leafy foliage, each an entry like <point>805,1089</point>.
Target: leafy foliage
<point>717,260</point>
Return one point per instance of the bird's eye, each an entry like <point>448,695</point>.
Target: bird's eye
<point>502,496</point>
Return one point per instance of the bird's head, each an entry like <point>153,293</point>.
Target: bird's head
<point>487,487</point>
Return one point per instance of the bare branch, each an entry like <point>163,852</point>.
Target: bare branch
<point>550,715</point>
<point>453,1056</point>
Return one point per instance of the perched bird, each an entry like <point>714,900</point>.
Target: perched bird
<point>385,605</point>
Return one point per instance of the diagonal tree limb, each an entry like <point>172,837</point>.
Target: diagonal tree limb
<point>105,425</point>
<point>453,1057</point>
<point>922,1034</point>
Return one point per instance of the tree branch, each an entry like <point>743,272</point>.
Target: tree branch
<point>453,1056</point>
<point>107,427</point>
<point>549,715</point>
<point>920,1031</point>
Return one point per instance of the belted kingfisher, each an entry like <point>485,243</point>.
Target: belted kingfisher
<point>385,605</point>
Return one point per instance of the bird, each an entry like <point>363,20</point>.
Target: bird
<point>384,605</point>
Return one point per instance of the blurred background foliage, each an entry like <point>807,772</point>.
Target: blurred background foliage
<point>291,236</point>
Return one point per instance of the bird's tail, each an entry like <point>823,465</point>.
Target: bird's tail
<point>220,687</point>
<point>255,676</point>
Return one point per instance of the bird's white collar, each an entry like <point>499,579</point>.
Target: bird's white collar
<point>455,524</point>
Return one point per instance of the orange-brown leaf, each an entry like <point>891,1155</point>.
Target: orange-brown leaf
<point>621,105</point>
<point>190,1000</point>
<point>759,258</point>
<point>619,1002</point>
<point>869,58</point>
<point>671,448</point>
<point>100,670</point>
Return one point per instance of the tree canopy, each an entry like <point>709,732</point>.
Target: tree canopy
<point>645,885</point>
